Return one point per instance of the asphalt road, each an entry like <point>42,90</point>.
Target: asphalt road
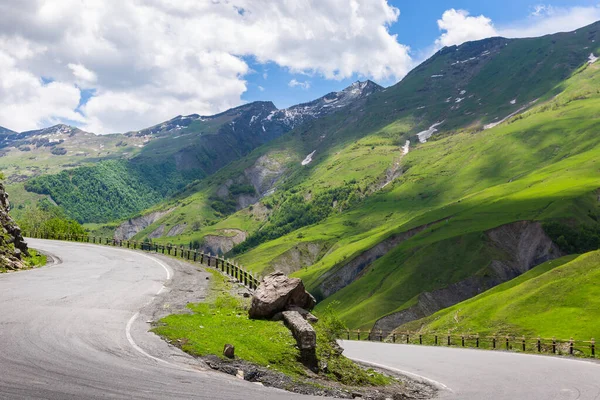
<point>78,330</point>
<point>469,374</point>
<point>72,331</point>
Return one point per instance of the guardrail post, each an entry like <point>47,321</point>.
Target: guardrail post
<point>571,344</point>
<point>348,334</point>
<point>523,343</point>
<point>380,335</point>
<point>435,339</point>
<point>448,340</point>
<point>477,341</point>
<point>494,343</point>
<point>539,345</point>
<point>407,338</point>
<point>593,348</point>
<point>507,343</point>
<point>394,337</point>
<point>195,255</point>
<point>420,339</point>
<point>553,346</point>
<point>463,340</point>
<point>358,334</point>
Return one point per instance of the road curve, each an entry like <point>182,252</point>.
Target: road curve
<point>70,331</point>
<point>469,374</point>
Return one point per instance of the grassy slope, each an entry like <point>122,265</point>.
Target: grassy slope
<point>526,169</point>
<point>544,171</point>
<point>560,298</point>
<point>224,319</point>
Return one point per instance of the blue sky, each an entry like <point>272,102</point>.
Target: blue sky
<point>416,27</point>
<point>119,66</point>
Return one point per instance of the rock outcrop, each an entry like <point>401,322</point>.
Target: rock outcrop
<point>12,244</point>
<point>277,293</point>
<point>339,278</point>
<point>221,244</point>
<point>132,227</point>
<point>525,245</point>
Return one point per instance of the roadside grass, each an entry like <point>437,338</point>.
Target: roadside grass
<point>35,259</point>
<point>224,319</point>
<point>560,298</point>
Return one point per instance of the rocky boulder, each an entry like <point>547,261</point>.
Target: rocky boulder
<point>12,244</point>
<point>305,336</point>
<point>278,292</point>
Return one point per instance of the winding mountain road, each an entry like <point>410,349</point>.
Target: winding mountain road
<point>470,374</point>
<point>72,331</point>
<point>78,329</point>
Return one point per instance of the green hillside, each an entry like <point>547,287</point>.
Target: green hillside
<point>372,229</point>
<point>560,298</point>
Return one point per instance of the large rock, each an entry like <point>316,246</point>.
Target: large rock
<point>278,293</point>
<point>305,336</point>
<point>303,332</point>
<point>12,244</point>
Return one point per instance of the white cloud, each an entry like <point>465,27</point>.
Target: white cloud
<point>549,19</point>
<point>459,27</point>
<point>303,85</point>
<point>539,10</point>
<point>262,89</point>
<point>152,59</point>
<point>82,74</point>
<point>26,102</point>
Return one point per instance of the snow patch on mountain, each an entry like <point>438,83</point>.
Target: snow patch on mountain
<point>495,124</point>
<point>592,59</point>
<point>423,136</point>
<point>308,158</point>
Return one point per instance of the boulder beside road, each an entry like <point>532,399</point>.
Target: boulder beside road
<point>278,292</point>
<point>303,332</point>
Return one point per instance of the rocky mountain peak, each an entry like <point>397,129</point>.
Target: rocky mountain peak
<point>5,131</point>
<point>59,129</point>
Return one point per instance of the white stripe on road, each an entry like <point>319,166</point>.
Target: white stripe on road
<point>435,383</point>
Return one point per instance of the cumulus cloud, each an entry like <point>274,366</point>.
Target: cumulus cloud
<point>547,19</point>
<point>82,74</point>
<point>149,60</point>
<point>303,85</point>
<point>459,27</point>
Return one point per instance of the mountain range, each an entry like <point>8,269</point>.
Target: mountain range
<point>391,204</point>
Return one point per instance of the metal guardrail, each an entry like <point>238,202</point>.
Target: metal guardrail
<point>582,348</point>
<point>227,267</point>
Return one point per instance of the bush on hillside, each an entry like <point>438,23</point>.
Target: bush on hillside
<point>49,219</point>
<point>574,240</point>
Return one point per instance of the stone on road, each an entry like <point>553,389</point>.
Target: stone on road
<point>470,374</point>
<point>67,332</point>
